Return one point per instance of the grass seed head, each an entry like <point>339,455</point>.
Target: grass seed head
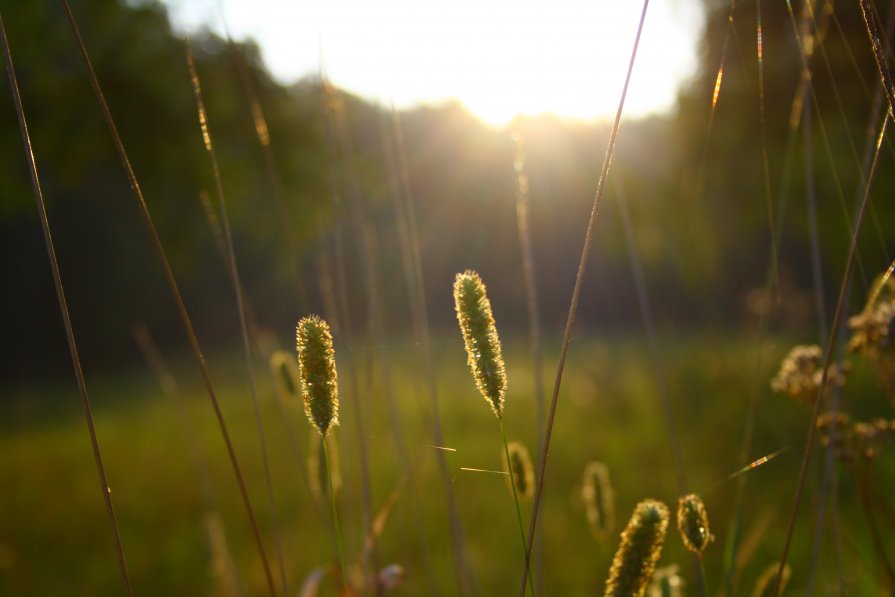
<point>800,374</point>
<point>598,499</point>
<point>317,367</point>
<point>480,335</point>
<point>523,471</point>
<point>639,550</point>
<point>874,331</point>
<point>693,523</point>
<point>285,375</point>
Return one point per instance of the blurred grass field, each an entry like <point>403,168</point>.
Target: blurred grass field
<point>54,537</point>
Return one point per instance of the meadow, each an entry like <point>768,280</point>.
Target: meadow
<point>163,454</point>
<point>679,374</point>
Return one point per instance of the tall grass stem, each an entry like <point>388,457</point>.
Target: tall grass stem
<point>576,293</point>
<point>523,209</point>
<point>511,469</point>
<point>336,138</point>
<point>240,304</point>
<point>175,291</point>
<point>335,513</point>
<point>416,287</point>
<point>828,353</point>
<point>63,308</point>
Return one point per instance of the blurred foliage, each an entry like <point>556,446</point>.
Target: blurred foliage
<point>694,183</point>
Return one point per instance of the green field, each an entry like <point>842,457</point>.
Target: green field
<point>167,467</point>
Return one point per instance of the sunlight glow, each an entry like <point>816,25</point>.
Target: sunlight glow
<point>499,58</point>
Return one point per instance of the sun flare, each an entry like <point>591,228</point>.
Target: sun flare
<point>500,59</point>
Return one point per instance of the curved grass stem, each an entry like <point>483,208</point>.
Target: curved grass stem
<point>576,295</point>
<point>525,553</point>
<point>63,308</point>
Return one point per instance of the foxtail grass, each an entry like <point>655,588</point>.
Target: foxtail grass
<point>320,392</point>
<point>105,489</point>
<point>520,472</point>
<point>485,359</point>
<point>640,548</point>
<point>483,351</point>
<point>175,291</point>
<point>598,498</point>
<point>286,378</point>
<point>317,370</point>
<point>693,525</point>
<point>576,294</point>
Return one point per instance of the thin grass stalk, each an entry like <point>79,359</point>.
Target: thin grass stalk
<point>388,152</point>
<point>218,234</point>
<point>733,535</point>
<point>175,291</point>
<point>420,316</point>
<point>828,353</point>
<point>168,385</point>
<point>829,459</point>
<point>828,15</point>
<point>395,191</point>
<point>576,293</point>
<point>765,163</point>
<point>703,582</point>
<point>879,53</point>
<point>534,321</point>
<point>873,525</point>
<point>833,486</point>
<point>240,304</point>
<point>799,33</point>
<point>649,328</point>
<point>270,166</point>
<point>335,134</point>
<point>63,309</point>
<point>716,93</point>
<point>335,514</point>
<point>510,467</point>
<point>378,341</point>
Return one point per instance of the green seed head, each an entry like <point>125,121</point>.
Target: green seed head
<point>639,551</point>
<point>523,471</point>
<point>598,499</point>
<point>285,375</point>
<point>480,335</point>
<point>317,367</point>
<point>693,523</point>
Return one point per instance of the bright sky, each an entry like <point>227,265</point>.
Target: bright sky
<point>498,57</point>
